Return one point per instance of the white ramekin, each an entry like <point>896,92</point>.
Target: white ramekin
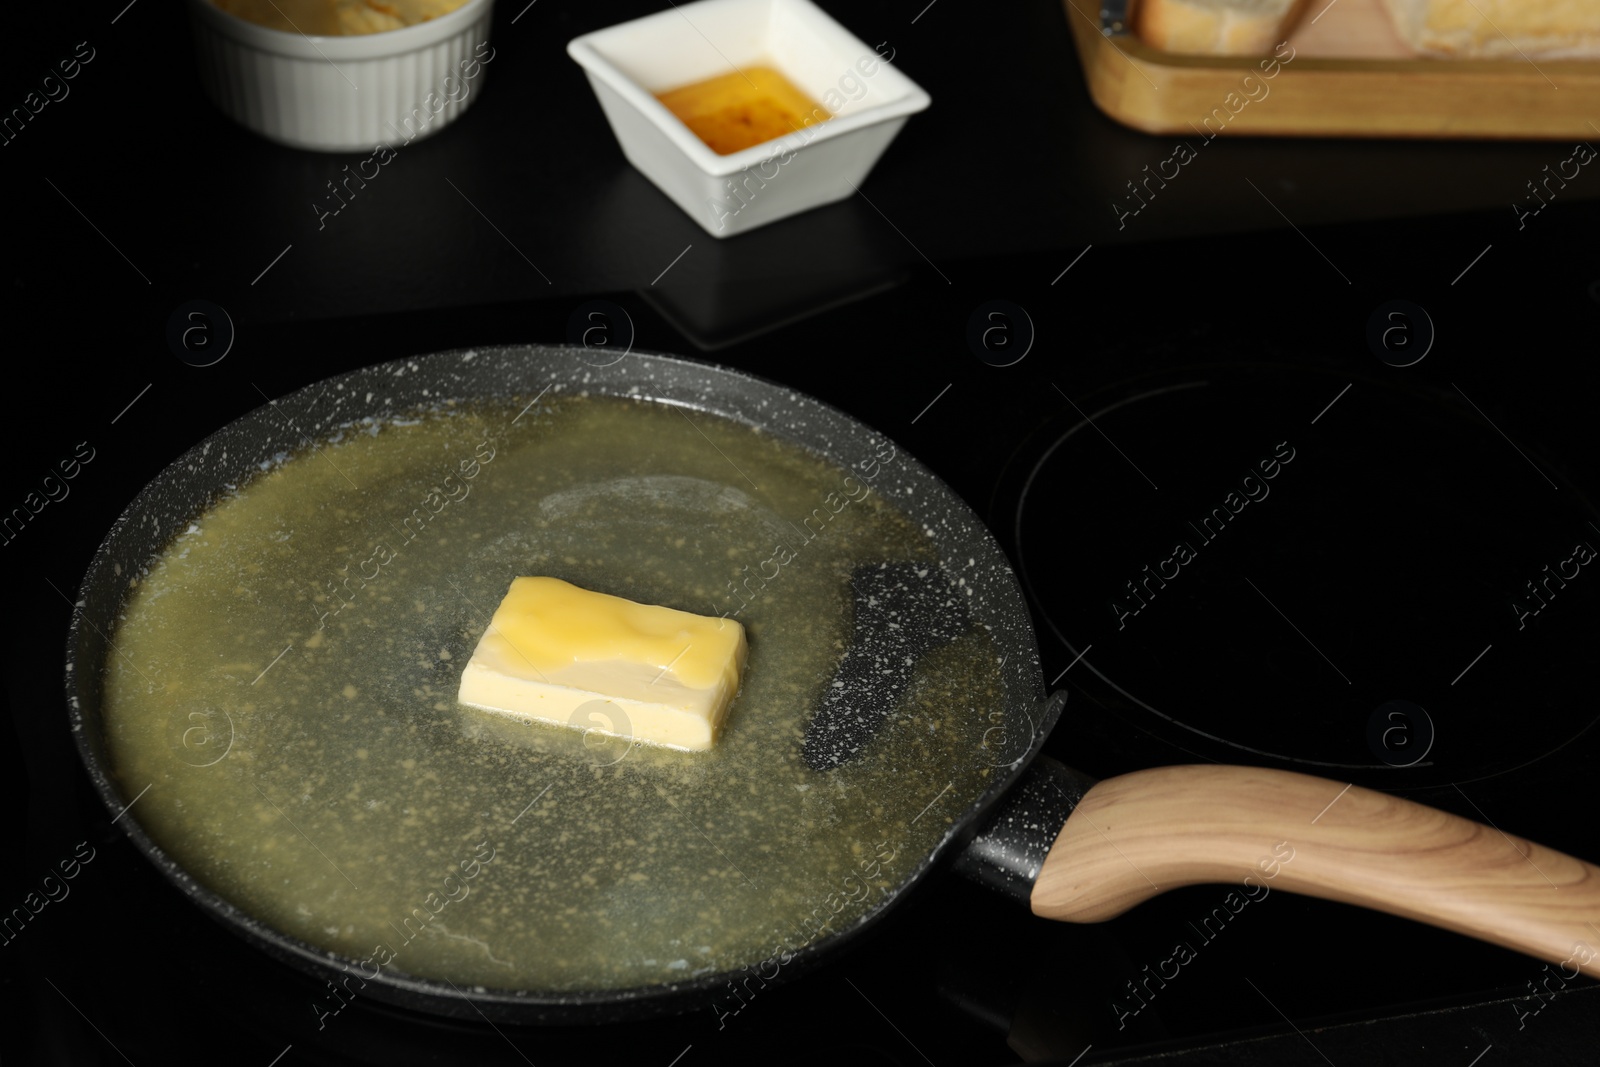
<point>343,94</point>
<point>629,63</point>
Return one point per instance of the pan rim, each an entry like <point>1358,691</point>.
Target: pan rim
<point>437,996</point>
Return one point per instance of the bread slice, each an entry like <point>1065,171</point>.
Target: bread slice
<point>1215,27</point>
<point>1513,29</point>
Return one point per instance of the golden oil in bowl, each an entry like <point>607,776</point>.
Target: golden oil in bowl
<point>732,112</point>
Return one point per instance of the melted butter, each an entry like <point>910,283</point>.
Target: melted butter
<point>284,679</point>
<point>732,112</point>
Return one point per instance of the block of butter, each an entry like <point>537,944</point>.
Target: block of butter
<point>552,648</point>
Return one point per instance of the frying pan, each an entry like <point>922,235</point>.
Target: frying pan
<point>1073,849</point>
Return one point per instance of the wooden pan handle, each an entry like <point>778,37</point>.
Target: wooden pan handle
<point>1143,833</point>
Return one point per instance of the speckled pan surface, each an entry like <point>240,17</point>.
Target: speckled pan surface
<point>997,733</point>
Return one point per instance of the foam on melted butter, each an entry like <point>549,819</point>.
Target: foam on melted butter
<point>329,794</point>
<point>665,676</point>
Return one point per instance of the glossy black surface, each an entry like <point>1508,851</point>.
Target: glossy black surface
<point>958,967</point>
<point>528,196</point>
<point>1322,543</point>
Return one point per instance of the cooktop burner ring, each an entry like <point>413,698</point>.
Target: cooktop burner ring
<point>1285,512</point>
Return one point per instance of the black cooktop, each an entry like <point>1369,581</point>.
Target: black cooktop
<point>1262,517</point>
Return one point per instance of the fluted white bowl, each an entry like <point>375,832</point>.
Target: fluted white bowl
<point>343,93</point>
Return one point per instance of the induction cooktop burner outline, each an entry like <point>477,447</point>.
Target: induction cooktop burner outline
<point>1240,553</point>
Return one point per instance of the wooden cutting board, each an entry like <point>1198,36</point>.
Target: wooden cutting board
<point>1343,72</point>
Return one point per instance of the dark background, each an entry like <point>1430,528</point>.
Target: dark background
<point>132,196</point>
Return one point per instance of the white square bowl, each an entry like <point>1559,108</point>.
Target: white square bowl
<point>868,101</point>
